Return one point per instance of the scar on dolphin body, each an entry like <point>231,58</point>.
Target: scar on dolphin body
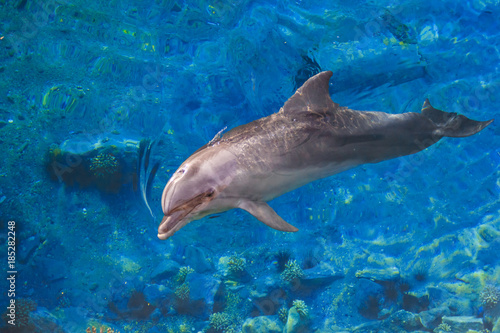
<point>311,137</point>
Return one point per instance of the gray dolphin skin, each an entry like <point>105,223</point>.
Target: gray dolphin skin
<point>311,137</point>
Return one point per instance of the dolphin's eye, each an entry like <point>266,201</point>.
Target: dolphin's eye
<point>181,171</point>
<point>211,193</point>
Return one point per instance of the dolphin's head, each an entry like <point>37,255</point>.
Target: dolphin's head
<point>194,190</point>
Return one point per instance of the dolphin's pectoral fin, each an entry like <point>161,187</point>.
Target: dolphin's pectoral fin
<point>264,213</point>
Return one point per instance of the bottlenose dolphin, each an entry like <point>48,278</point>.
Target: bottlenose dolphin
<point>311,137</point>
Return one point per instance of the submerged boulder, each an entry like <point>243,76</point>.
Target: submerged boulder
<point>399,321</point>
<point>262,324</point>
<point>164,270</point>
<point>496,327</point>
<point>196,296</point>
<point>155,293</point>
<point>462,324</point>
<point>111,164</point>
<point>432,318</point>
<point>197,258</point>
<point>297,322</point>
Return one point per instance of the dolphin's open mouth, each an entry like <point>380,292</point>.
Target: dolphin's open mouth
<point>164,231</point>
<point>175,218</point>
<point>170,224</point>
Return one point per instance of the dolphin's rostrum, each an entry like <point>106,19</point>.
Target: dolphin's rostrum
<point>311,137</point>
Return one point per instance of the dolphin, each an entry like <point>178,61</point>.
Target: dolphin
<point>311,137</point>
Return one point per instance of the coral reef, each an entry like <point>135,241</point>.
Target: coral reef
<point>301,307</point>
<point>182,291</point>
<point>442,328</point>
<point>102,329</point>
<point>236,265</point>
<point>24,308</point>
<point>221,322</point>
<point>183,273</point>
<point>103,165</point>
<point>490,295</point>
<point>292,271</point>
<point>233,301</point>
<point>64,301</point>
<point>180,325</point>
<point>283,314</point>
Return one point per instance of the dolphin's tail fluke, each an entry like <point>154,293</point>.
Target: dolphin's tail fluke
<point>452,124</point>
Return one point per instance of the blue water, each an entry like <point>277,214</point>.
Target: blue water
<point>399,246</point>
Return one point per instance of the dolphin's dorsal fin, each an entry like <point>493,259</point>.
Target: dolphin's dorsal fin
<point>313,97</point>
<point>264,213</point>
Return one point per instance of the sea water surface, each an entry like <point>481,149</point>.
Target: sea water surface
<point>101,101</point>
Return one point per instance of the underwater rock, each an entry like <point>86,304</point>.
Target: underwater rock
<point>432,318</point>
<point>262,324</point>
<point>268,305</point>
<point>496,327</point>
<point>296,322</point>
<point>314,279</point>
<point>136,307</point>
<point>86,302</point>
<point>202,291</point>
<point>398,321</point>
<point>403,319</point>
<point>487,232</point>
<point>489,253</point>
<point>367,296</point>
<point>264,286</point>
<point>415,302</point>
<point>266,294</point>
<point>330,326</point>
<point>156,316</point>
<point>462,324</point>
<point>379,274</point>
<point>164,270</point>
<point>197,259</point>
<point>457,305</point>
<point>110,164</point>
<point>234,268</point>
<point>52,271</point>
<point>321,275</point>
<point>71,318</point>
<point>202,286</point>
<point>27,248</point>
<point>42,320</point>
<point>155,293</point>
<point>437,296</point>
